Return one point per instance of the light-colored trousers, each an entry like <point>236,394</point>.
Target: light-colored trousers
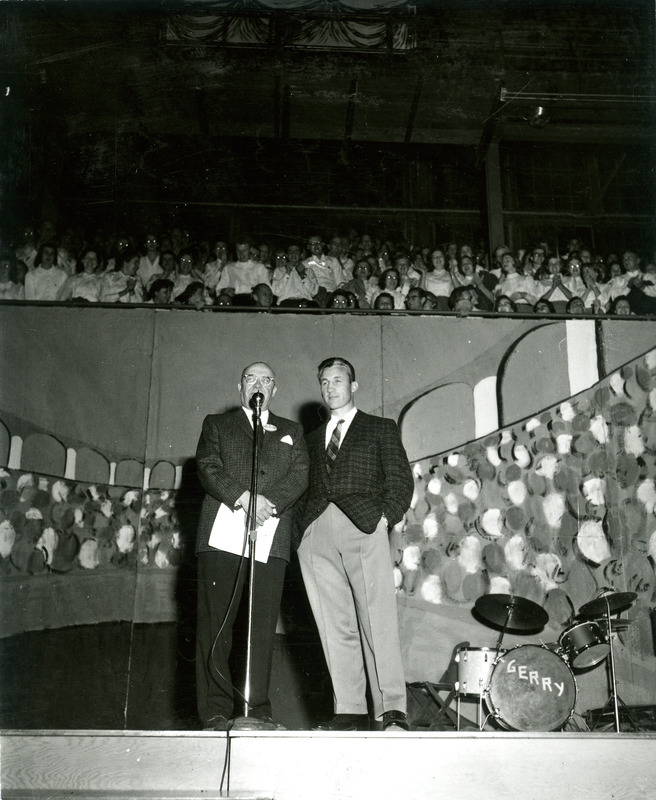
<point>350,585</point>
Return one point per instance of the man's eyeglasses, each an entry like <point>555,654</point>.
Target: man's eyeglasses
<point>249,380</point>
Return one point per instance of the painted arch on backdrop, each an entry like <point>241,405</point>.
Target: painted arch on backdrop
<point>439,420</point>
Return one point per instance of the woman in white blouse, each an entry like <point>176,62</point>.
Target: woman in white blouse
<point>520,288</point>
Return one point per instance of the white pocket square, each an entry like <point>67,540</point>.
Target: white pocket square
<point>287,439</point>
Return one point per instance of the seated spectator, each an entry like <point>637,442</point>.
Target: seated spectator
<point>265,257</point>
<point>437,279</point>
<point>180,238</point>
<point>544,307</point>
<point>339,299</point>
<point>262,296</point>
<point>326,268</point>
<point>187,272</point>
<point>480,281</point>
<point>345,259</point>
<point>122,285</point>
<point>244,273</point>
<point>26,249</point>
<point>385,257</point>
<point>504,305</point>
<point>460,300</point>
<point>408,275</point>
<point>430,301</point>
<point>621,306</point>
<point>352,299</point>
<point>169,264</point>
<point>575,307</point>
<point>294,280</point>
<point>499,251</point>
<point>521,289</point>
<point>417,260</point>
<point>46,279</point>
<point>214,269</point>
<point>572,278</point>
<point>224,299</point>
<point>87,284</point>
<point>551,286</point>
<point>193,295</point>
<point>10,288</point>
<point>592,295</point>
<point>362,285</point>
<point>389,282</point>
<point>65,252</point>
<point>613,283</point>
<point>384,302</point>
<point>585,254</point>
<point>122,243</point>
<point>414,300</point>
<point>451,255</point>
<point>149,263</point>
<point>160,292</point>
<point>534,260</point>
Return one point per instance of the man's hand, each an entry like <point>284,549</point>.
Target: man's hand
<point>263,507</point>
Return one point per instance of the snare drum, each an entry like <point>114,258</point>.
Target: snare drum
<point>474,666</point>
<point>584,644</point>
<point>531,689</point>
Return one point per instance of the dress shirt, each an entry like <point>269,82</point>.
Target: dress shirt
<point>332,424</point>
<point>12,291</point>
<point>327,270</point>
<point>147,270</point>
<point>290,284</point>
<point>264,416</point>
<point>242,276</point>
<point>43,284</point>
<point>114,283</point>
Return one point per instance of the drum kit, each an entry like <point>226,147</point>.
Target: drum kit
<point>531,687</point>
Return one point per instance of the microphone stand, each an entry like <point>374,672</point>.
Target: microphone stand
<point>251,525</point>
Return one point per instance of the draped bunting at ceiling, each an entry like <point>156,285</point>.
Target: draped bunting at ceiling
<point>236,22</point>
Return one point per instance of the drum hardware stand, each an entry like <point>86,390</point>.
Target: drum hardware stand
<point>480,722</point>
<point>614,698</point>
<point>609,602</point>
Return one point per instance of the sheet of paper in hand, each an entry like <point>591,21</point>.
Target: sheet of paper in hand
<point>228,533</point>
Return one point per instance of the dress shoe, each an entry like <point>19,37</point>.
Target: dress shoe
<point>218,723</point>
<point>344,722</point>
<point>395,721</point>
<point>257,723</point>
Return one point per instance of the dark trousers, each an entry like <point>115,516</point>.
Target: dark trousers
<point>218,573</point>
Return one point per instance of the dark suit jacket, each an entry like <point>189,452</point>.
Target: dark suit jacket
<point>371,475</point>
<point>224,463</point>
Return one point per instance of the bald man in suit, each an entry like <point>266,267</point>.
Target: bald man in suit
<point>360,484</point>
<point>224,463</point>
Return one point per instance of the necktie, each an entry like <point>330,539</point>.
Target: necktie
<point>333,446</point>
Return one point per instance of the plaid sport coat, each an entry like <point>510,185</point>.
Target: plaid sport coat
<point>371,475</point>
<point>224,462</point>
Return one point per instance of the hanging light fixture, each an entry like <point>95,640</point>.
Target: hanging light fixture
<point>539,117</point>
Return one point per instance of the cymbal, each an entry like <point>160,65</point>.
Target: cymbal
<point>615,601</point>
<point>511,612</point>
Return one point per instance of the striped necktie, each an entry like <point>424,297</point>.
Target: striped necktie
<point>333,446</point>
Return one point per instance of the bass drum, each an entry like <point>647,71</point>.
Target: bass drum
<point>531,689</point>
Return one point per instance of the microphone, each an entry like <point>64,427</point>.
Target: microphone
<point>256,403</point>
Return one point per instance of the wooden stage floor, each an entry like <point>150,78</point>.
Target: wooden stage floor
<point>291,765</point>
